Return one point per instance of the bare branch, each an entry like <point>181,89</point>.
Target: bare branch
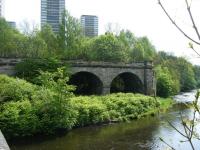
<point>177,129</point>
<point>192,125</point>
<point>184,126</point>
<point>187,129</point>
<point>174,23</point>
<point>192,19</point>
<point>196,51</point>
<point>167,144</point>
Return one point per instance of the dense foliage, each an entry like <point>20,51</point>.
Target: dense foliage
<point>112,108</point>
<point>197,75</point>
<point>29,69</point>
<point>166,85</point>
<point>28,109</point>
<point>70,43</point>
<point>174,74</point>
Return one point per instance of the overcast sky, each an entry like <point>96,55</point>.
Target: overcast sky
<point>142,17</point>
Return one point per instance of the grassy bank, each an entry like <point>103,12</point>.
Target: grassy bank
<point>28,109</point>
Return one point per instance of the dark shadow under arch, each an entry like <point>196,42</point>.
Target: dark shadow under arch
<point>127,83</point>
<point>86,83</point>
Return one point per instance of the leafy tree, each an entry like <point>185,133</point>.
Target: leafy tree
<point>29,69</point>
<point>109,48</point>
<point>70,33</point>
<point>147,47</point>
<point>180,69</point>
<point>15,44</point>
<point>58,113</point>
<point>165,83</point>
<point>162,56</point>
<point>9,40</point>
<point>128,38</point>
<point>50,39</point>
<point>137,53</point>
<point>187,78</point>
<point>197,75</point>
<point>35,45</point>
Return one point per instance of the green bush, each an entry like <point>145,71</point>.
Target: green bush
<point>15,89</point>
<point>29,109</point>
<point>114,107</point>
<point>166,84</point>
<point>90,110</point>
<point>128,106</point>
<point>18,119</point>
<point>53,114</point>
<point>109,48</point>
<point>29,69</point>
<point>45,109</point>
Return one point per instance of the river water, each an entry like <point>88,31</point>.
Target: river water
<point>142,134</point>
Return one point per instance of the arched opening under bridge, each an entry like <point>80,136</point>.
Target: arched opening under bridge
<point>86,83</point>
<point>127,83</point>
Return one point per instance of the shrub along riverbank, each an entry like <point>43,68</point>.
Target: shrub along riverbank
<point>28,109</point>
<point>41,47</point>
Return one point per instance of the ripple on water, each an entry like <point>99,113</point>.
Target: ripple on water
<point>185,97</point>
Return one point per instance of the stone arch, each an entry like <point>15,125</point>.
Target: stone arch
<point>127,82</point>
<point>86,83</point>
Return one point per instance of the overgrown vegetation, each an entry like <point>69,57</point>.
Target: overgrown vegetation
<point>69,43</point>
<point>28,109</point>
<point>174,74</point>
<point>44,50</point>
<point>29,69</point>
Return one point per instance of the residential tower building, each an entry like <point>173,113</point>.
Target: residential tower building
<point>51,13</point>
<point>89,25</point>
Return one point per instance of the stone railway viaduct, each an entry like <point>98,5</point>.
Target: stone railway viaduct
<point>102,77</point>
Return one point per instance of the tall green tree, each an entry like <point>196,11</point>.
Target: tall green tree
<point>187,81</point>
<point>70,34</point>
<point>165,82</point>
<point>197,75</point>
<point>35,45</point>
<point>147,47</point>
<point>10,40</point>
<point>50,39</point>
<point>128,38</point>
<point>109,48</point>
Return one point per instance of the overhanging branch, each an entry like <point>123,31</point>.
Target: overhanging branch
<point>192,19</point>
<point>174,23</point>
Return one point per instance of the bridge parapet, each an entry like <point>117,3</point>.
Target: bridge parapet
<point>142,64</point>
<point>145,64</point>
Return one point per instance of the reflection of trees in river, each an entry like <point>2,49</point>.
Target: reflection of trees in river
<point>133,135</point>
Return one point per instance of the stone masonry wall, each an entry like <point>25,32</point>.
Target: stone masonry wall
<point>106,72</point>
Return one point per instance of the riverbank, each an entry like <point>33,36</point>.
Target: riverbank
<point>134,134</point>
<point>113,108</point>
<point>28,109</point>
<point>138,134</point>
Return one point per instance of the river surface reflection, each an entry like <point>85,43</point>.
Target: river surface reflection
<point>142,134</point>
